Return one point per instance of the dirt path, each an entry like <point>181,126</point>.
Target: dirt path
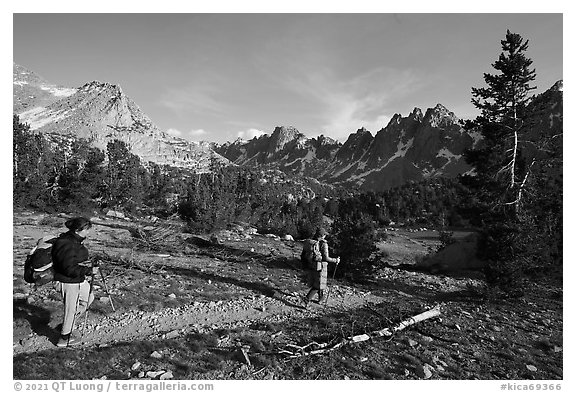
<point>102,330</point>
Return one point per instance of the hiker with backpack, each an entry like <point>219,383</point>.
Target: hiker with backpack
<point>67,254</point>
<point>315,258</point>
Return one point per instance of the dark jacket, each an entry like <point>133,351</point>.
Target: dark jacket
<point>67,253</point>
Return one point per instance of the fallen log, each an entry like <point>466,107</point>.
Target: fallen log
<point>386,332</point>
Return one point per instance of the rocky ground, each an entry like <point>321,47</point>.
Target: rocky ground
<point>176,296</point>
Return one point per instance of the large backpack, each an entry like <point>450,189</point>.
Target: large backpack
<point>311,256</point>
<point>38,268</point>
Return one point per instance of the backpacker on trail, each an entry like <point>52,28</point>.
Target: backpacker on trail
<point>311,256</point>
<point>38,266</point>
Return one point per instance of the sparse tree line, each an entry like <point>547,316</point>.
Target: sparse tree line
<point>514,197</point>
<point>64,173</point>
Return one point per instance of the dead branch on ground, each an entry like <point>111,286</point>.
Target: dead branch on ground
<point>321,348</point>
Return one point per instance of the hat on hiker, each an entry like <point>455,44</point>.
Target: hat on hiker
<point>77,224</point>
<point>320,232</point>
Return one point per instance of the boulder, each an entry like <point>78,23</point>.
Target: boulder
<point>458,256</point>
<point>114,213</point>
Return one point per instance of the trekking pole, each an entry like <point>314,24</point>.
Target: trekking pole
<point>329,288</point>
<point>106,289</point>
<point>88,305</point>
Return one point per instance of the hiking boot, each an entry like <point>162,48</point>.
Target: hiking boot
<point>67,341</point>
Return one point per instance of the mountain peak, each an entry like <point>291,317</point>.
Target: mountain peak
<point>283,135</point>
<point>101,112</point>
<point>439,116</point>
<point>97,86</point>
<point>558,86</point>
<point>416,114</point>
<point>286,131</point>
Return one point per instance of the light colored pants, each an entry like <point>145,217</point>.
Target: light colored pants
<point>77,298</point>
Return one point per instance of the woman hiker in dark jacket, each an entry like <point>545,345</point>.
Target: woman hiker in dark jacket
<point>67,253</point>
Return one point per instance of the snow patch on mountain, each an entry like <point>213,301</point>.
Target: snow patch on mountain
<point>360,177</point>
<point>59,91</point>
<point>401,150</point>
<point>39,117</point>
<point>343,170</point>
<point>444,152</point>
<point>310,156</point>
<point>476,137</point>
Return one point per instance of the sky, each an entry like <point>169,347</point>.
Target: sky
<point>217,77</point>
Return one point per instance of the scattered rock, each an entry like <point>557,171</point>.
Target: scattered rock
<point>20,296</point>
<point>135,366</point>
<point>114,213</point>
<point>531,367</point>
<point>425,371</point>
<point>172,296</point>
<point>412,343</point>
<point>154,374</point>
<point>167,375</point>
<point>156,355</point>
<point>172,334</point>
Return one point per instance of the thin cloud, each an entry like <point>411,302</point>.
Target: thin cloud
<point>193,99</point>
<point>250,133</point>
<point>197,133</point>
<point>174,132</point>
<point>191,134</point>
<point>202,95</point>
<point>362,101</point>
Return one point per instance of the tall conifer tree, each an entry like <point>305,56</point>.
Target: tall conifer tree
<point>500,165</point>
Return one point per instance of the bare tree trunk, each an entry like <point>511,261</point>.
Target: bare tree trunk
<point>386,332</point>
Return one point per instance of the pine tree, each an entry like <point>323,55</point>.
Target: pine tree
<point>32,166</point>
<point>499,163</point>
<point>125,176</point>
<point>502,167</point>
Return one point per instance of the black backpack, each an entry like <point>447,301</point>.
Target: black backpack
<point>38,268</point>
<point>311,256</point>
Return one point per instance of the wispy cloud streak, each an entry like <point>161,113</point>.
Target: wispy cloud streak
<point>360,101</point>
